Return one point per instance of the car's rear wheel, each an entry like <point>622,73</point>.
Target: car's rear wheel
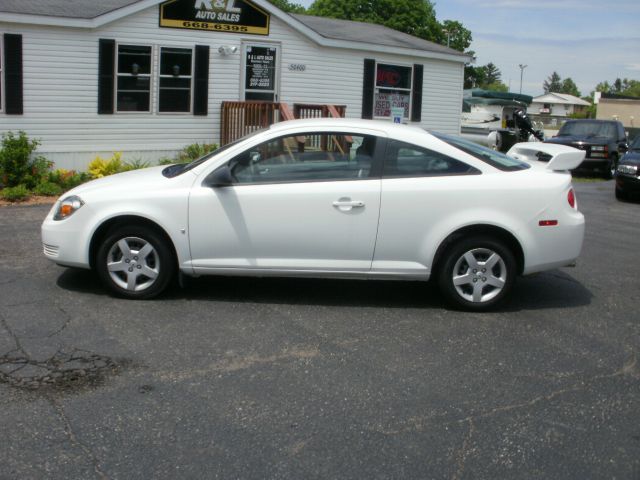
<point>135,262</point>
<point>477,273</point>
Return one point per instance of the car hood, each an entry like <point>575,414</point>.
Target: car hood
<point>578,140</point>
<point>631,158</point>
<point>125,183</point>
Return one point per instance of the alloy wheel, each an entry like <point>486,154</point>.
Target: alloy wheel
<point>133,264</point>
<point>479,275</point>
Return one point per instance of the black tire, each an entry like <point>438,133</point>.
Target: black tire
<point>143,264</point>
<point>610,170</point>
<point>454,264</point>
<point>621,194</point>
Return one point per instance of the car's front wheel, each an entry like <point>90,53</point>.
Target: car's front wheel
<point>612,166</point>
<point>621,194</point>
<point>135,262</point>
<point>477,273</point>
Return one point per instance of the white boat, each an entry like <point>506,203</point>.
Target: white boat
<point>496,119</point>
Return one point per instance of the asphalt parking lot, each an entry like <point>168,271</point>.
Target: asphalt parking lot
<point>305,379</point>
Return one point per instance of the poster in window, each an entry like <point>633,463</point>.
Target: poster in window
<point>393,76</point>
<point>386,101</point>
<point>260,68</point>
<point>232,16</point>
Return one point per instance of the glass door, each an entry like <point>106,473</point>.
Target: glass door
<point>261,72</point>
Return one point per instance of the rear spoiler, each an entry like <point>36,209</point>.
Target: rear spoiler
<point>557,157</point>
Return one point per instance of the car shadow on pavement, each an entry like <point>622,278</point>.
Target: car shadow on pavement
<point>555,289</point>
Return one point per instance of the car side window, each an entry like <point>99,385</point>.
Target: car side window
<point>313,157</point>
<point>406,160</point>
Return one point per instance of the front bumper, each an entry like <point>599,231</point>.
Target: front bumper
<point>64,242</point>
<point>627,183</point>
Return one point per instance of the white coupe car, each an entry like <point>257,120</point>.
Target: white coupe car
<point>330,198</point>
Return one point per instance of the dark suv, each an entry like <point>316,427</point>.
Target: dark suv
<point>604,141</point>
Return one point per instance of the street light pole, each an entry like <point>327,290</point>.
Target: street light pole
<point>522,67</point>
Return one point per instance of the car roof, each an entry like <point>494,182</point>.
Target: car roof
<point>343,123</point>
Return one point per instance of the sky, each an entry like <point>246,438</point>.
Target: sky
<point>588,40</point>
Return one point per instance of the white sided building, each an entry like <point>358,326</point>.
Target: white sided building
<point>147,77</point>
<point>559,105</point>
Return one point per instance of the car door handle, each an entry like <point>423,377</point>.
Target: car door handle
<point>348,204</point>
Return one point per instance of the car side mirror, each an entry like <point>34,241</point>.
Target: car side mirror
<point>220,177</point>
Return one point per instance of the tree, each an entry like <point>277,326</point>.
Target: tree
<point>455,36</point>
<point>474,76</point>
<point>287,6</point>
<point>415,17</point>
<point>497,86</point>
<point>492,73</point>
<point>553,83</point>
<point>620,87</point>
<point>569,87</point>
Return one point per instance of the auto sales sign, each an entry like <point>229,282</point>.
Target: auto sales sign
<point>233,16</point>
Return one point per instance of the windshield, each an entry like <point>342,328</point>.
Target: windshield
<point>636,144</point>
<point>588,129</point>
<point>493,158</point>
<point>178,169</point>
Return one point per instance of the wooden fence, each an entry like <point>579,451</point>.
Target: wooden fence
<point>242,118</point>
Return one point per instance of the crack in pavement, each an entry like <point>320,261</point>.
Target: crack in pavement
<point>64,325</point>
<point>464,450</point>
<point>16,340</point>
<point>73,439</point>
<point>61,329</point>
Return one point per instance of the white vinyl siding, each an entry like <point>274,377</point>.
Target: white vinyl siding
<point>61,86</point>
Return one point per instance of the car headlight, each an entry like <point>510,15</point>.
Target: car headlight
<point>68,207</point>
<point>628,169</point>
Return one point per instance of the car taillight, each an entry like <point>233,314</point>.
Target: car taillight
<point>571,198</point>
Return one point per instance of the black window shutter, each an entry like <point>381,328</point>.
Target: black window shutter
<point>13,73</point>
<point>368,86</point>
<point>106,76</point>
<point>416,101</point>
<point>201,81</point>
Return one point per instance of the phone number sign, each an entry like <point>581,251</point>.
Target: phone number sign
<point>233,16</point>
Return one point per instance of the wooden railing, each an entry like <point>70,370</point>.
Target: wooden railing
<point>242,118</point>
<point>309,110</point>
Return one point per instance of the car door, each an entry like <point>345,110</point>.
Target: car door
<point>295,203</point>
<point>420,187</point>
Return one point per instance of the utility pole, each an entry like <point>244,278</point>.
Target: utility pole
<point>522,67</point>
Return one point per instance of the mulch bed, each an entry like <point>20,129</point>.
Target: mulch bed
<point>33,200</point>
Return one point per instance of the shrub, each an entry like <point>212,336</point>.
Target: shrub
<point>136,164</point>
<point>101,167</point>
<point>166,161</point>
<point>16,194</point>
<point>194,151</point>
<point>18,164</point>
<point>68,179</point>
<point>47,189</point>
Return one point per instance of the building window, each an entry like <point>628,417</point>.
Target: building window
<point>134,78</point>
<point>175,80</point>
<point>392,89</point>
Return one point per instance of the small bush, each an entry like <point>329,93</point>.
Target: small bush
<point>68,179</point>
<point>136,164</point>
<point>101,167</point>
<point>194,151</point>
<point>47,189</point>
<point>16,194</point>
<point>166,161</point>
<point>18,164</point>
